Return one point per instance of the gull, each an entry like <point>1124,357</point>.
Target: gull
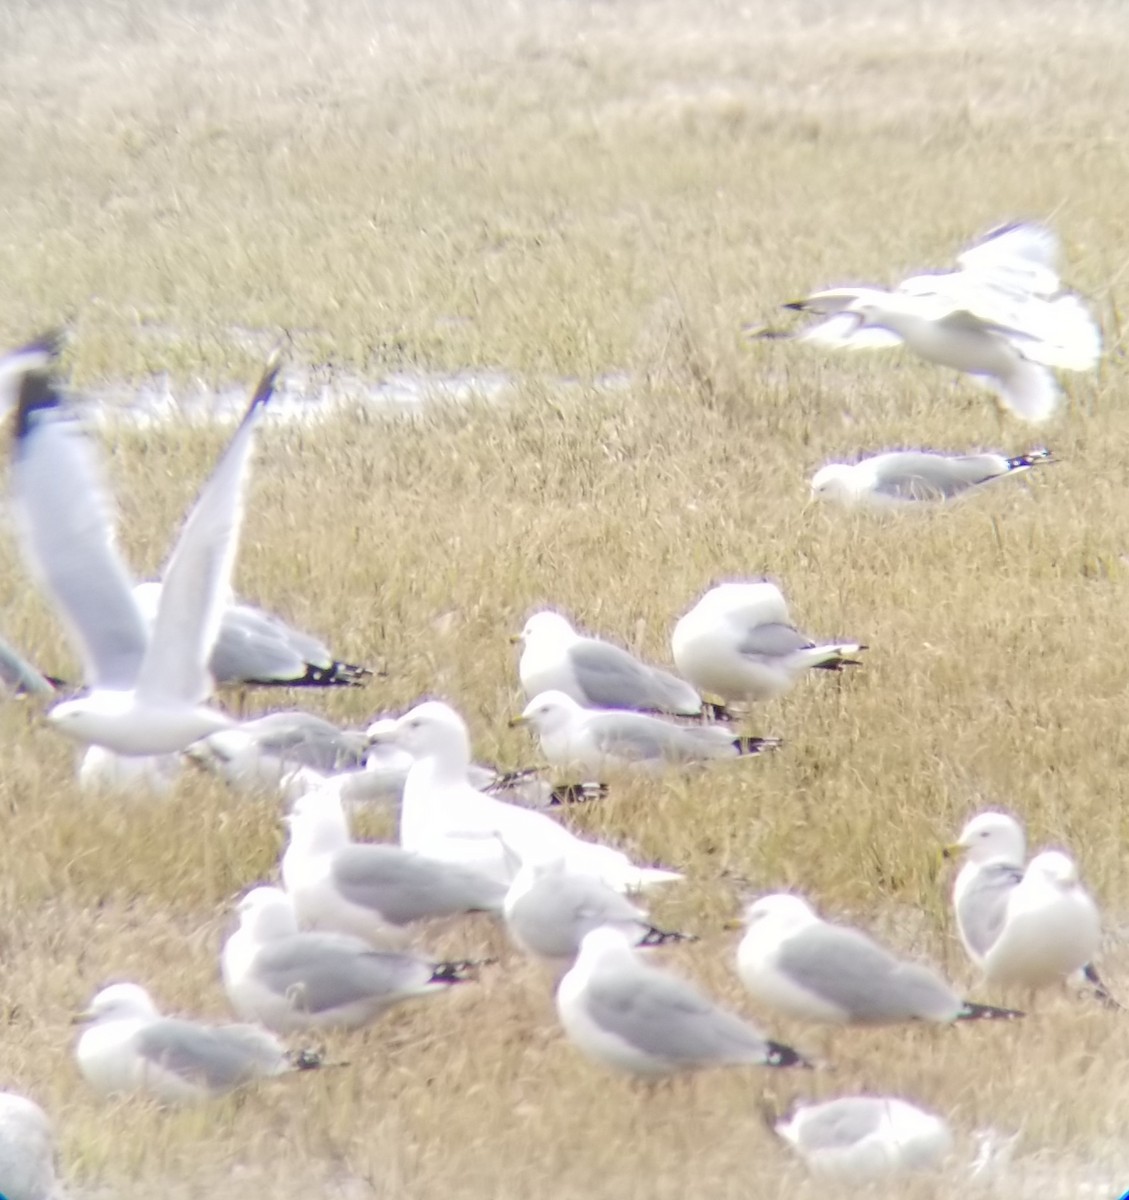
<point>900,478</point>
<point>289,980</point>
<point>813,970</point>
<point>598,674</point>
<point>27,1151</point>
<point>1000,318</point>
<point>549,910</point>
<point>370,891</point>
<point>738,643</point>
<point>861,1138</point>
<point>1028,928</point>
<point>147,691</point>
<point>593,740</point>
<point>255,647</point>
<point>128,1046</point>
<point>638,1019</point>
<point>264,751</point>
<point>445,817</point>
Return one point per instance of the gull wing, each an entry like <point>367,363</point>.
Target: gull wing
<point>1022,255</point>
<point>66,521</point>
<point>197,580</point>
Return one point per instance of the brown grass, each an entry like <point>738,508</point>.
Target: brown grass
<point>558,191</point>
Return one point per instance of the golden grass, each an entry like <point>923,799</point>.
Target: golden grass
<point>575,191</point>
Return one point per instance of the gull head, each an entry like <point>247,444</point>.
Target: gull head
<point>548,712</point>
<point>991,836</point>
<point>84,717</point>
<point>266,913</point>
<point>604,944</point>
<point>317,821</point>
<point>433,729</point>
<point>836,481</point>
<point>1054,868</point>
<point>547,627</point>
<point>119,1002</point>
<point>778,914</point>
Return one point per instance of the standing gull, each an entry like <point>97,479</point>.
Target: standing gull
<point>549,910</point>
<point>444,816</point>
<point>1027,928</point>
<point>1000,318</point>
<point>147,690</point>
<point>738,643</point>
<point>641,1020</point>
<point>860,1138</point>
<point>370,891</point>
<point>598,674</point>
<point>128,1046</point>
<point>905,477</point>
<point>292,981</point>
<point>810,969</point>
<point>595,740</point>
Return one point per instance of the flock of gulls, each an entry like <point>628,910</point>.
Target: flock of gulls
<point>335,945</point>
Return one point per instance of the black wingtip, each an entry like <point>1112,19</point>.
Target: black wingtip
<point>264,389</point>
<point>779,1055</point>
<point>1033,458</point>
<point>576,793</point>
<point>795,305</point>
<point>757,745</point>
<point>712,711</point>
<point>840,664</point>
<point>36,392</point>
<point>1101,992</point>
<point>458,970</point>
<point>663,937</point>
<point>337,674</point>
<point>986,1012</point>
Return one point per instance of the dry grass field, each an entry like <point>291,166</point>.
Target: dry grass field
<point>590,199</point>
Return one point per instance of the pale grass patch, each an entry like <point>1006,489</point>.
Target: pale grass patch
<point>556,191</point>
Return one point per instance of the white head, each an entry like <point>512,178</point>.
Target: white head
<point>1054,868</point>
<point>993,837</point>
<point>779,914</point>
<point>604,944</point>
<point>266,913</point>
<point>549,628</point>
<point>317,820</point>
<point>434,730</point>
<point>837,481</point>
<point>121,1002</point>
<point>81,718</point>
<point>549,712</point>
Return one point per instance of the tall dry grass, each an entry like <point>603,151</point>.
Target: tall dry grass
<point>576,193</point>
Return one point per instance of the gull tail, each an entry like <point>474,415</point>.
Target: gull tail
<point>576,793</point>
<point>985,1012</point>
<point>779,1055</point>
<point>1090,974</point>
<point>663,937</point>
<point>756,745</point>
<point>458,970</point>
<point>1032,459</point>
